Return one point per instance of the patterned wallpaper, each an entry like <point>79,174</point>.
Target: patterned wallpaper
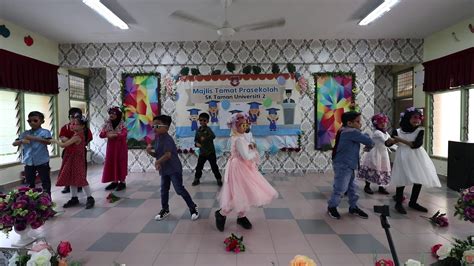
<point>383,97</point>
<point>109,60</point>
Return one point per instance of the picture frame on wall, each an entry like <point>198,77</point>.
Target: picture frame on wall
<point>334,95</point>
<point>141,103</point>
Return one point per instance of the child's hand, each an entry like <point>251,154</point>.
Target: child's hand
<point>25,141</point>
<point>28,137</point>
<point>157,166</point>
<point>149,148</point>
<point>198,145</point>
<point>366,149</point>
<point>202,138</point>
<point>55,141</point>
<point>111,135</point>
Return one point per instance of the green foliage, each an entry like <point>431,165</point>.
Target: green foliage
<point>256,69</point>
<point>184,71</point>
<point>230,67</point>
<point>247,69</point>
<point>291,68</point>
<point>275,68</point>
<point>195,71</point>
<point>216,72</point>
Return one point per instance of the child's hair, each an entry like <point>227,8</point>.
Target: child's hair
<point>165,119</point>
<point>74,111</point>
<point>349,117</point>
<point>36,113</point>
<point>406,116</point>
<point>83,122</point>
<point>377,119</point>
<point>204,116</point>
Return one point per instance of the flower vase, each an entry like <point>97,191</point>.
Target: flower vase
<point>24,239</point>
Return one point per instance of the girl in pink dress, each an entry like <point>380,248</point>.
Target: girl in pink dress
<point>116,156</point>
<point>73,171</point>
<point>243,185</point>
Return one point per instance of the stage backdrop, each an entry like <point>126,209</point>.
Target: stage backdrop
<point>333,98</point>
<point>141,103</point>
<point>271,101</point>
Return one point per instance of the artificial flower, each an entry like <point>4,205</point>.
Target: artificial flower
<point>234,243</point>
<point>434,249</point>
<point>384,262</point>
<point>444,251</point>
<point>464,207</point>
<point>411,262</point>
<point>38,246</point>
<point>64,248</point>
<point>300,260</point>
<point>42,258</point>
<point>438,219</point>
<point>468,257</point>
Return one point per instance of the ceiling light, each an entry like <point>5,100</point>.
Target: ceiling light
<point>378,12</point>
<point>98,7</point>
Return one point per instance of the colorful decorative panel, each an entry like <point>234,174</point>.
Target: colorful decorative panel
<point>141,102</point>
<point>333,98</point>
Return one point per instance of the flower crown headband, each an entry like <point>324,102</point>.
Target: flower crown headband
<point>379,118</point>
<point>114,109</point>
<point>410,111</point>
<point>235,118</point>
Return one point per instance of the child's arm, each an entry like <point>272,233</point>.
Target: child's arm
<point>243,149</point>
<point>18,142</point>
<point>69,142</point>
<point>418,142</point>
<point>38,139</point>
<point>211,133</point>
<point>360,137</point>
<point>162,159</point>
<point>149,150</point>
<point>196,139</point>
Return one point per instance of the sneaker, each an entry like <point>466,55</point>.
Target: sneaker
<point>219,182</point>
<point>196,182</point>
<point>383,191</point>
<point>399,208</point>
<point>358,212</point>
<point>111,186</point>
<point>333,213</point>
<point>66,190</point>
<point>162,215</point>
<point>244,222</point>
<point>417,207</point>
<point>194,213</point>
<point>121,186</point>
<point>90,202</point>
<point>220,221</point>
<point>74,201</point>
<point>368,190</point>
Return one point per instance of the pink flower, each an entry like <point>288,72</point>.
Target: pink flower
<point>20,225</point>
<point>37,224</point>
<point>7,221</point>
<point>38,246</point>
<point>64,248</point>
<point>23,189</point>
<point>45,200</point>
<point>237,250</point>
<point>31,216</point>
<point>20,204</point>
<point>384,262</point>
<point>434,249</point>
<point>469,214</point>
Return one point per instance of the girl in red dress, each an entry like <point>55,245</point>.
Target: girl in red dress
<point>73,170</point>
<point>116,156</point>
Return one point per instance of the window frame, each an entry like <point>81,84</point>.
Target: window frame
<point>396,99</point>
<point>20,96</point>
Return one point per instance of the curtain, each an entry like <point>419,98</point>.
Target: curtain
<point>453,70</point>
<point>26,74</point>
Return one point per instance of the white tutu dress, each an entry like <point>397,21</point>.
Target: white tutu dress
<point>413,165</point>
<point>375,166</point>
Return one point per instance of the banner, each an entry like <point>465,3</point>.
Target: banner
<point>270,100</point>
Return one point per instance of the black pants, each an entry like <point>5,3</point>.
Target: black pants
<point>415,193</point>
<point>213,161</point>
<point>44,173</point>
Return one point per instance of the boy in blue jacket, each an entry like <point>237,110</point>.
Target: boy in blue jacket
<point>345,161</point>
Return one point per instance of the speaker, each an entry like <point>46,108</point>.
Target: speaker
<point>460,165</point>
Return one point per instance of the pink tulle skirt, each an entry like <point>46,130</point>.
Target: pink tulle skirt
<point>244,187</point>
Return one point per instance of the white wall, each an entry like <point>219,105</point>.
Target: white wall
<point>44,50</point>
<point>437,45</point>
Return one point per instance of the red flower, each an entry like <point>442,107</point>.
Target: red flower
<point>64,248</point>
<point>384,262</point>
<point>283,149</point>
<point>434,249</point>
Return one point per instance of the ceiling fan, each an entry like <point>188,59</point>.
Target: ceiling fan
<point>226,30</point>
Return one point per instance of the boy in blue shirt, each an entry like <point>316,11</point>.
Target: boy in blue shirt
<point>345,161</point>
<point>35,154</point>
<point>170,168</point>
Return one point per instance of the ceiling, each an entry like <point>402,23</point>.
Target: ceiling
<point>70,21</point>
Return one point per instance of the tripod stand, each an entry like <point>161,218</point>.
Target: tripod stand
<point>384,212</point>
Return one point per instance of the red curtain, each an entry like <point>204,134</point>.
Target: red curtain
<point>26,74</point>
<point>449,71</point>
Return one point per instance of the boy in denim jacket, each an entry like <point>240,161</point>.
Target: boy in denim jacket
<point>345,162</point>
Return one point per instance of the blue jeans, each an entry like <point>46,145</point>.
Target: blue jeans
<point>177,180</point>
<point>344,180</point>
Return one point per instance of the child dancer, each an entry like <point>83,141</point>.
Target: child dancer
<point>73,170</point>
<point>204,140</point>
<point>116,156</point>
<point>243,185</point>
<point>169,165</point>
<point>35,153</point>
<point>412,165</point>
<point>375,167</point>
<point>345,159</point>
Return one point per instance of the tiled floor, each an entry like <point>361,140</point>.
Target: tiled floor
<point>125,232</point>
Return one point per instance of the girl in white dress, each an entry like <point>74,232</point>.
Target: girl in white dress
<point>375,167</point>
<point>412,165</point>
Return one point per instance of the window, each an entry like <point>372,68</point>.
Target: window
<point>403,93</point>
<point>446,121</point>
<point>14,107</point>
<point>78,94</point>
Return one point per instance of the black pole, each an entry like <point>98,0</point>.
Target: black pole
<point>386,227</point>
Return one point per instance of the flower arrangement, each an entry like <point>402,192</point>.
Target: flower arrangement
<point>438,219</point>
<point>300,260</point>
<point>41,253</point>
<point>464,207</point>
<point>24,207</point>
<point>234,243</point>
<point>461,252</point>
